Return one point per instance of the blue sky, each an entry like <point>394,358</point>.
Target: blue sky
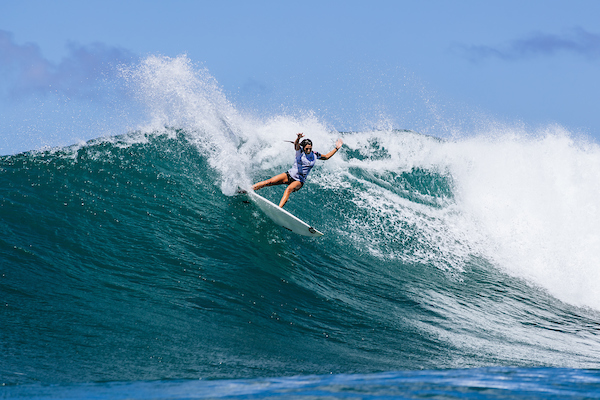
<point>425,66</point>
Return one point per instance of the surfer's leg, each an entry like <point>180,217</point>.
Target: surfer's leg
<point>294,186</point>
<point>276,180</point>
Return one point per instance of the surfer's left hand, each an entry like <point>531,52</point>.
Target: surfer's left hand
<point>338,144</point>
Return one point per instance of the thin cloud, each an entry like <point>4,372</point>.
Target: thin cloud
<point>25,71</point>
<point>577,41</point>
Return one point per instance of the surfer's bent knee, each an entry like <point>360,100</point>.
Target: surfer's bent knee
<point>294,186</point>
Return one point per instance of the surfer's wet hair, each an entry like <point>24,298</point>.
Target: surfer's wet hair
<point>305,142</point>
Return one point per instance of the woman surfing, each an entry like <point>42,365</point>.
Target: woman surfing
<point>296,176</point>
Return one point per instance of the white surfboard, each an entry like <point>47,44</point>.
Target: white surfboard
<point>283,217</point>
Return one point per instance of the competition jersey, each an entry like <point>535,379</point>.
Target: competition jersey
<point>303,165</point>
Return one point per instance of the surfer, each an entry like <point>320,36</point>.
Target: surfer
<point>296,176</point>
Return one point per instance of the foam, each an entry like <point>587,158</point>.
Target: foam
<point>535,200</point>
<point>525,200</point>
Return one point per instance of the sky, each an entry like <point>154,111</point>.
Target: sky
<point>437,67</point>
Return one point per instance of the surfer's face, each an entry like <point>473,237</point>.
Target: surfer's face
<point>308,149</point>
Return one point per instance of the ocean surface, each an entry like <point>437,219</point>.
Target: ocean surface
<point>463,267</point>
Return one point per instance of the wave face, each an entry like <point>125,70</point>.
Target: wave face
<point>131,258</point>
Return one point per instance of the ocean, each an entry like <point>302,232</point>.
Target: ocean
<point>462,267</point>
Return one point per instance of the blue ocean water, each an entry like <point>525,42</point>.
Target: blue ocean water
<point>130,268</point>
<point>488,383</point>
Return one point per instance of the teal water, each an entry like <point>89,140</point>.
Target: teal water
<point>129,264</point>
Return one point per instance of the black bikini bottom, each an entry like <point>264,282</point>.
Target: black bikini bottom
<point>290,179</point>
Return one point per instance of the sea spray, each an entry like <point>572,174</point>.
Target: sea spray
<point>179,94</point>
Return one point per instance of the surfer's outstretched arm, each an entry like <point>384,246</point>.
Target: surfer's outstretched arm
<point>327,156</point>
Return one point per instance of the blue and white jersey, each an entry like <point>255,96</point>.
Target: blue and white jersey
<point>303,165</point>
